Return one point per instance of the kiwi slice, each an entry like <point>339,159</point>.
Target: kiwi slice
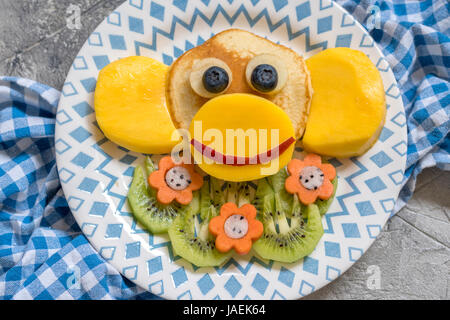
<point>283,198</point>
<point>205,198</point>
<point>246,193</point>
<point>221,191</point>
<point>232,192</point>
<point>152,215</point>
<point>287,236</point>
<point>324,205</point>
<point>190,235</point>
<point>263,190</point>
<point>218,191</point>
<point>149,166</point>
<point>277,180</point>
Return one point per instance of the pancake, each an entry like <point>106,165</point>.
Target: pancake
<point>236,48</point>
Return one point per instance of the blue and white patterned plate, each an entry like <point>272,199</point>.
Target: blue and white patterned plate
<point>95,173</point>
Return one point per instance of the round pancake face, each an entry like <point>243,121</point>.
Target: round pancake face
<point>283,110</point>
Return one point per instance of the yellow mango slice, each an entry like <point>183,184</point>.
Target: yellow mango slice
<point>130,105</point>
<point>348,107</point>
<point>259,123</point>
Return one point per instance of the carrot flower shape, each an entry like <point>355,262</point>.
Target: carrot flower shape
<point>174,181</point>
<point>310,179</point>
<point>236,228</point>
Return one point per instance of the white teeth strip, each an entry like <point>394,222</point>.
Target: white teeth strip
<point>311,177</point>
<point>236,226</point>
<point>178,178</point>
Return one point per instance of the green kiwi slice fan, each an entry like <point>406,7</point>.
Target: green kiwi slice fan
<point>291,230</point>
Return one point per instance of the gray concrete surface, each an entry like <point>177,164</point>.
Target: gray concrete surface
<point>412,253</point>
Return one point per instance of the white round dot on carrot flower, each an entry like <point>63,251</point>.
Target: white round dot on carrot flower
<point>178,178</point>
<point>311,177</point>
<point>236,226</point>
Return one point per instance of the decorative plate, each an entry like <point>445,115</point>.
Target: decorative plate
<point>95,173</point>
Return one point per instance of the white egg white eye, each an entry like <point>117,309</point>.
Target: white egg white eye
<point>266,73</point>
<point>210,77</point>
<point>178,178</point>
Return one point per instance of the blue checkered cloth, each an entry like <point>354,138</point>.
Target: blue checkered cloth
<point>415,38</point>
<point>43,254</point>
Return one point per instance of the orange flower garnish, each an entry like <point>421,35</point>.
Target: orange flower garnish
<point>236,228</point>
<point>316,184</point>
<point>181,192</point>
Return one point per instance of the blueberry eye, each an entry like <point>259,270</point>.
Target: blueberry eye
<point>266,73</point>
<point>215,79</point>
<point>210,77</point>
<point>264,78</point>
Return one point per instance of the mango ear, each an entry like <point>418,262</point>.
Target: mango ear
<point>348,109</point>
<point>130,105</point>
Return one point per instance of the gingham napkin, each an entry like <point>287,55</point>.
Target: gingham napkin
<point>43,254</point>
